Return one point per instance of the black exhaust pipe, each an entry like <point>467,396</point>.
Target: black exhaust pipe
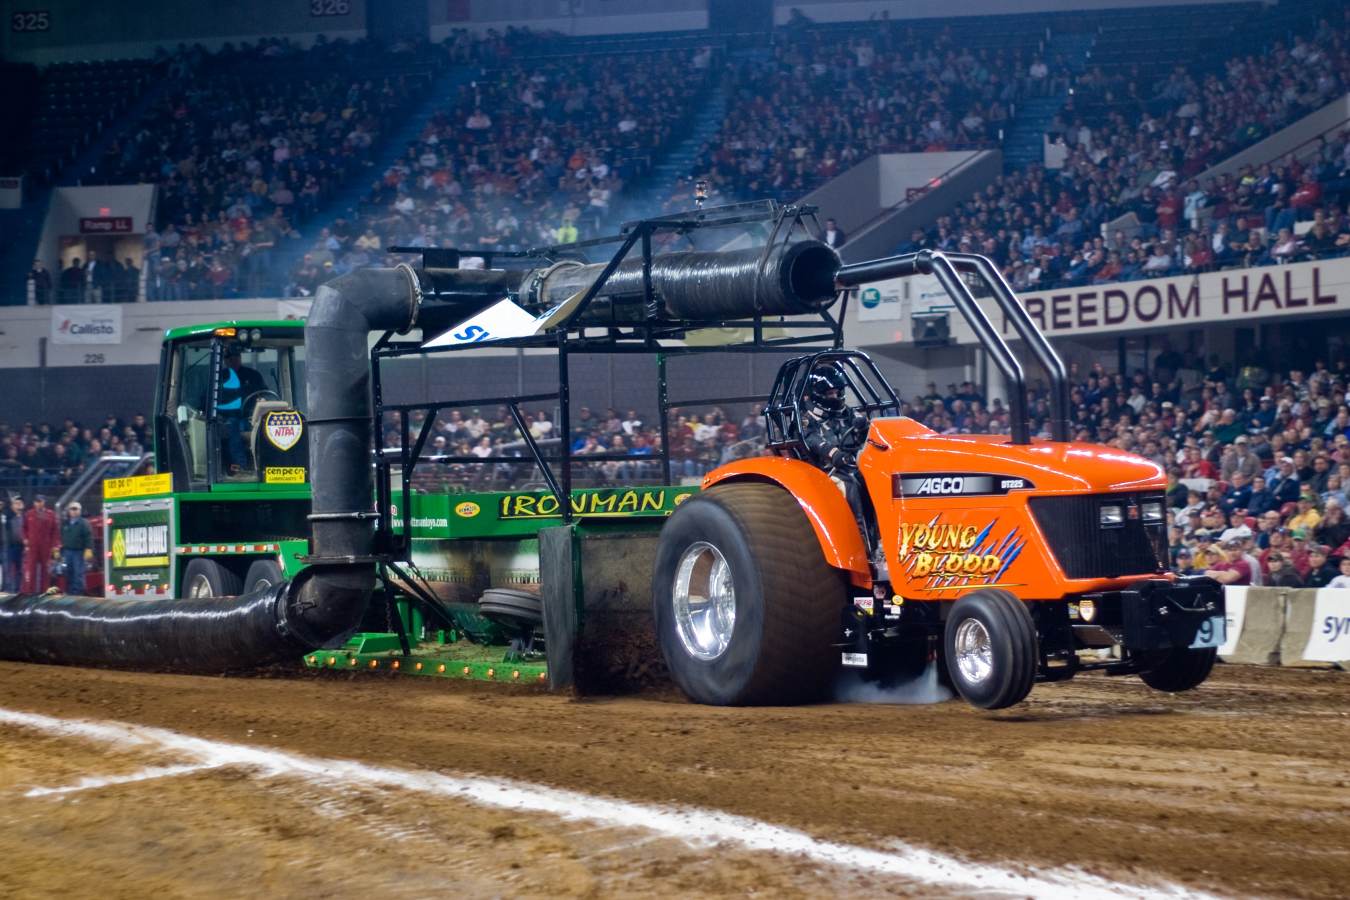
<point>692,285</point>
<point>290,619</point>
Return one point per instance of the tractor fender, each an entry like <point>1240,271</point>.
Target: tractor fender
<point>821,500</point>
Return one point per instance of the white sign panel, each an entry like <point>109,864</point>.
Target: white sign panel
<point>1329,640</point>
<point>11,193</point>
<point>504,320</point>
<point>1235,613</point>
<point>93,324</point>
<point>879,302</point>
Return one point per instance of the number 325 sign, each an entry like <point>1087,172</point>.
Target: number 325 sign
<point>32,20</point>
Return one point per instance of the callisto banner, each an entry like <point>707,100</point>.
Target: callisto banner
<point>93,324</point>
<point>1231,296</point>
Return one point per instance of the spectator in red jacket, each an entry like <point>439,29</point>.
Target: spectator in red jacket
<point>41,537</point>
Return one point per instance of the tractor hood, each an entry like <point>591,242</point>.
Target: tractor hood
<point>1051,467</point>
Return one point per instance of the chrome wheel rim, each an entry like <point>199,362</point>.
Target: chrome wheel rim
<point>704,602</point>
<point>199,587</point>
<point>974,653</point>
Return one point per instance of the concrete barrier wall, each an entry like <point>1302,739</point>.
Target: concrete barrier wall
<point>1281,627</point>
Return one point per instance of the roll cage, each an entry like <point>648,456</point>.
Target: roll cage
<point>787,402</point>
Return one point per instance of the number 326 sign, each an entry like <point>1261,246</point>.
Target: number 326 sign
<point>329,7</point>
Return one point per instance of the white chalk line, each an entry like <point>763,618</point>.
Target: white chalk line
<point>693,826</point>
<point>91,783</point>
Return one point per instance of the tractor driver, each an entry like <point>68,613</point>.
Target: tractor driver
<point>237,383</point>
<point>834,432</point>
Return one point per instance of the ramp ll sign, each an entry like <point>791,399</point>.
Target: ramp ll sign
<point>95,324</point>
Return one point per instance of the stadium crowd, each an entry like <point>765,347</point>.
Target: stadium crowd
<point>534,152</point>
<point>244,145</point>
<point>823,101</point>
<point>248,143</point>
<point>1127,202</point>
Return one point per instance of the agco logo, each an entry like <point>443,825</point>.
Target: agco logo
<point>948,485</point>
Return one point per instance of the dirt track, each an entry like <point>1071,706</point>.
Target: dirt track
<point>1238,788</point>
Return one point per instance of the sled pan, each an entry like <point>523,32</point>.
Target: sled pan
<point>598,625</point>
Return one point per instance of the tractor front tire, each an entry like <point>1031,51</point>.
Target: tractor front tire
<point>990,647</point>
<point>746,608</point>
<point>1180,669</point>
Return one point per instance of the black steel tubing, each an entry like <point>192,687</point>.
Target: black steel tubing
<point>289,619</point>
<point>902,266</point>
<point>941,267</point>
<point>1045,354</point>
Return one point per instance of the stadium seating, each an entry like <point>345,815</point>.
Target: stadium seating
<point>247,144</point>
<point>1127,202</point>
<point>72,104</point>
<point>526,154</point>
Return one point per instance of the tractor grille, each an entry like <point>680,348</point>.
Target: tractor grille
<point>1086,549</point>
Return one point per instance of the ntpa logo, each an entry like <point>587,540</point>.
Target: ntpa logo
<point>283,429</point>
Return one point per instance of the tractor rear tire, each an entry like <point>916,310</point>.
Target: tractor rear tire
<point>205,578</point>
<point>263,573</point>
<point>990,647</point>
<point>1180,670</point>
<point>774,643</point>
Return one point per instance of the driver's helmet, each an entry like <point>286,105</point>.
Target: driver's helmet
<point>826,386</point>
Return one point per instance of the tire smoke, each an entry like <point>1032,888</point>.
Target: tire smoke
<point>923,688</point>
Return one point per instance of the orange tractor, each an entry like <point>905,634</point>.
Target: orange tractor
<point>1005,559</point>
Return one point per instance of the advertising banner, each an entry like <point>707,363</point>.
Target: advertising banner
<point>1329,637</point>
<point>94,324</point>
<point>139,539</point>
<point>879,302</point>
<point>1235,610</point>
<point>1229,296</point>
